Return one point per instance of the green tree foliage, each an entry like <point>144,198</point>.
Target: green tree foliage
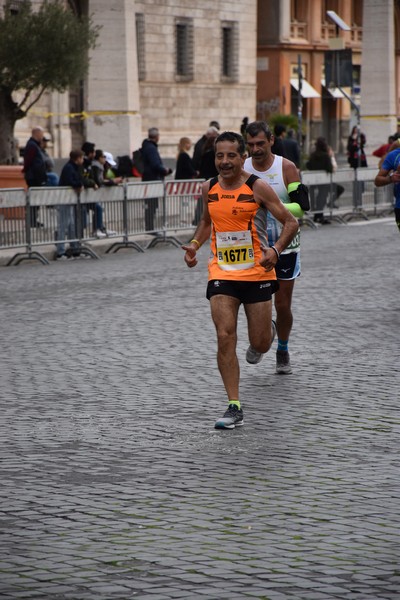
<point>41,49</point>
<point>289,121</point>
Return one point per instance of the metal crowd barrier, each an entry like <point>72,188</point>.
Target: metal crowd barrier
<point>30,219</point>
<point>160,210</point>
<point>359,198</point>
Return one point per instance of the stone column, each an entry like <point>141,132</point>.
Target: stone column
<point>112,86</point>
<point>378,80</point>
<point>59,124</point>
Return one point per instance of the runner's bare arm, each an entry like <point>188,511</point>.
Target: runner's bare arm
<point>386,176</point>
<point>202,233</point>
<point>290,172</point>
<point>265,196</point>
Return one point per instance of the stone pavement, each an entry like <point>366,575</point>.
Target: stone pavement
<point>114,484</point>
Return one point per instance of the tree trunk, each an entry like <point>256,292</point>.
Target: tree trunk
<point>9,115</point>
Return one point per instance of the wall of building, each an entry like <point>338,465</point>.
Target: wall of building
<point>119,108</point>
<point>185,109</point>
<point>306,34</point>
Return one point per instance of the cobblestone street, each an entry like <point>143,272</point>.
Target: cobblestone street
<point>114,483</point>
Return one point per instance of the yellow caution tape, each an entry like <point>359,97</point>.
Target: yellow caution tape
<point>84,114</point>
<point>378,116</point>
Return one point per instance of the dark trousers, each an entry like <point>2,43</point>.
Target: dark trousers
<point>33,216</point>
<point>151,205</point>
<point>198,212</point>
<point>397,217</point>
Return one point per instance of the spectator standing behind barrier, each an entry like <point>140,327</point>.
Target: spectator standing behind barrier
<point>243,127</point>
<point>320,160</point>
<point>110,169</point>
<point>207,168</point>
<point>207,160</point>
<point>337,188</point>
<point>279,135</point>
<point>390,173</point>
<point>100,171</point>
<point>355,149</point>
<point>184,164</point>
<point>153,170</point>
<point>100,175</point>
<point>356,158</point>
<point>384,149</point>
<point>283,176</point>
<point>35,169</point>
<point>198,147</point>
<point>71,176</point>
<point>98,230</point>
<point>291,148</point>
<point>52,177</point>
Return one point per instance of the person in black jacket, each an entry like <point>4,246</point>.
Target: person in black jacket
<point>320,160</point>
<point>184,164</point>
<point>291,147</point>
<point>198,147</point>
<point>355,149</point>
<point>207,169</point>
<point>34,170</point>
<point>153,170</point>
<point>71,176</point>
<point>279,135</point>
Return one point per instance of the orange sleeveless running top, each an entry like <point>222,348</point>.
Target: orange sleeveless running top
<point>239,228</point>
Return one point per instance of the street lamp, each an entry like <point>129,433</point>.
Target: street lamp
<point>337,45</point>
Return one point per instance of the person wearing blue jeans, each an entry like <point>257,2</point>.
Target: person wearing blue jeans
<point>70,177</point>
<point>66,227</point>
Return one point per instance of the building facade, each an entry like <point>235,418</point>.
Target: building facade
<point>171,64</point>
<point>295,35</point>
<point>299,37</point>
<point>178,64</point>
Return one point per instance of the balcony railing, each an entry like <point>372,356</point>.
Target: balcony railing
<point>298,30</point>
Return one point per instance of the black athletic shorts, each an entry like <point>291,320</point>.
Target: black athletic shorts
<point>248,292</point>
<point>288,266</point>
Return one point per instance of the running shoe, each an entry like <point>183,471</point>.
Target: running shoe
<point>252,356</point>
<point>233,417</point>
<point>283,366</point>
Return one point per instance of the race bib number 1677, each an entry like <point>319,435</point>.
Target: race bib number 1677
<point>235,250</point>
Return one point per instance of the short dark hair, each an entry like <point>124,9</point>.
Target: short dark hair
<point>321,144</point>
<point>257,127</point>
<point>88,147</point>
<point>279,129</point>
<point>75,154</point>
<point>98,154</point>
<point>215,124</point>
<point>232,136</point>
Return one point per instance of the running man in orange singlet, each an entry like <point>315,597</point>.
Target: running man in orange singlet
<point>241,265</point>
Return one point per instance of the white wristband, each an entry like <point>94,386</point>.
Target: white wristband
<point>276,251</point>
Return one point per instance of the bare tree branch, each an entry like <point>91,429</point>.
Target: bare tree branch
<point>34,101</point>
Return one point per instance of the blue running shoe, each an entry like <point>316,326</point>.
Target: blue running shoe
<point>233,417</point>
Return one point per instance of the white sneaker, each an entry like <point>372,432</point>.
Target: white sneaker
<point>100,234</point>
<point>252,356</point>
<point>110,232</point>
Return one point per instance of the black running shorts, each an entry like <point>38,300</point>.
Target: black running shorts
<point>288,266</point>
<point>248,292</point>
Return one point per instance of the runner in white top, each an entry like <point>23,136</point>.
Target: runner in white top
<point>283,176</point>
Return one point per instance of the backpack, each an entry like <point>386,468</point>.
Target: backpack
<point>124,166</point>
<point>138,166</point>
